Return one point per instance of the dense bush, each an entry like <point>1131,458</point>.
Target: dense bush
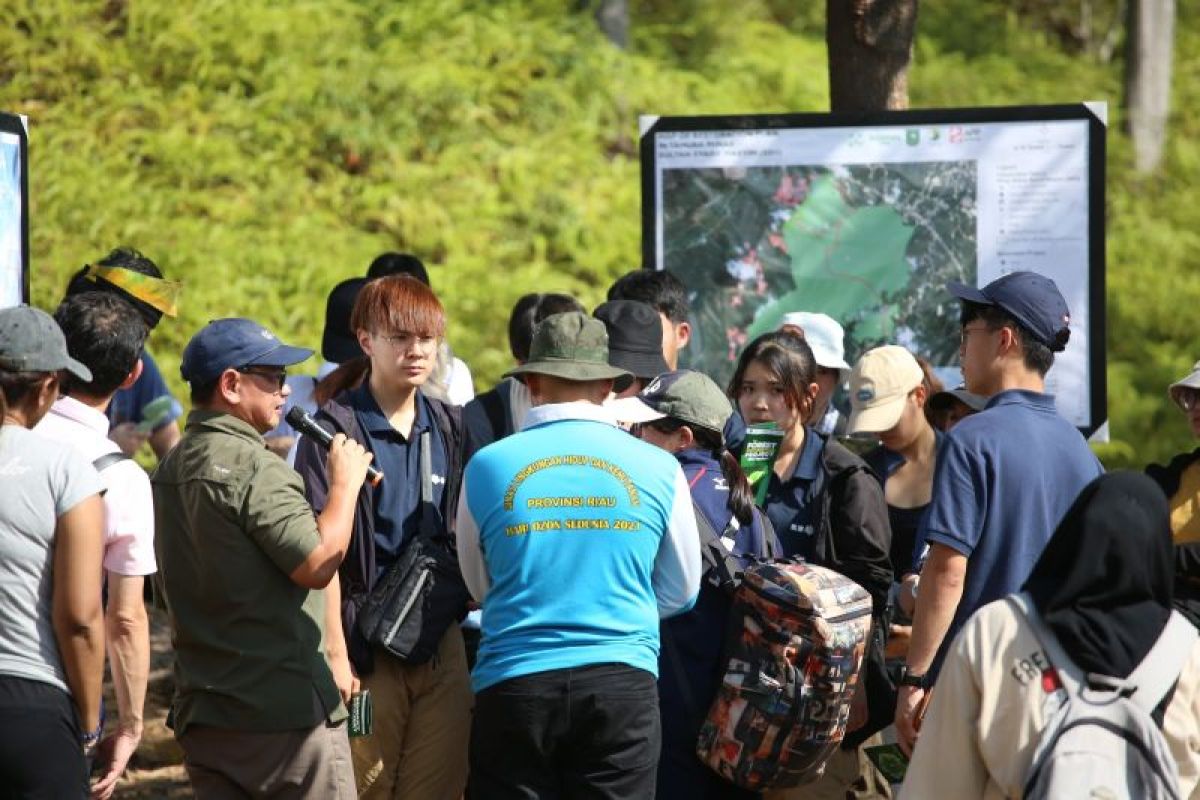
<point>262,152</point>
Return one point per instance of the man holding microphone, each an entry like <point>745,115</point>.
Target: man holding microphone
<point>243,561</point>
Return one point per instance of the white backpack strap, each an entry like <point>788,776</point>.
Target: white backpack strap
<point>1071,676</point>
<point>1160,669</point>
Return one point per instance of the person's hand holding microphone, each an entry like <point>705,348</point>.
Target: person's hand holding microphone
<point>348,464</point>
<point>304,424</point>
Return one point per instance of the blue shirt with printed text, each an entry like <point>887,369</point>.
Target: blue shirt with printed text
<point>571,516</point>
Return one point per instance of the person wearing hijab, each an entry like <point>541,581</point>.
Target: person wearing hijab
<point>1103,586</point>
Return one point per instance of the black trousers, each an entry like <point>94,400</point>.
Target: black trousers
<point>587,732</point>
<point>40,751</point>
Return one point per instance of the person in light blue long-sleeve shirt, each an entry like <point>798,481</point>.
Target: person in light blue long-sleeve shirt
<point>577,539</point>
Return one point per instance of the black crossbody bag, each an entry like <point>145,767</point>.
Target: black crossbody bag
<point>422,594</point>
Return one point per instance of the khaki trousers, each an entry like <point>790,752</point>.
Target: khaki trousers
<point>224,764</point>
<point>849,775</point>
<point>422,726</point>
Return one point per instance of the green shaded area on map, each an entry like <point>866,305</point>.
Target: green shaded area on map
<point>845,261</point>
<point>872,245</point>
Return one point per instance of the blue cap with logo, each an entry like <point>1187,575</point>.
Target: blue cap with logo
<point>1032,299</point>
<point>233,343</point>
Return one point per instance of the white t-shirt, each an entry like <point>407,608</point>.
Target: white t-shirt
<point>40,480</point>
<point>128,501</point>
<point>992,701</point>
<point>461,388</point>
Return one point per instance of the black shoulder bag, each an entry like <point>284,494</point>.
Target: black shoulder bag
<point>422,594</point>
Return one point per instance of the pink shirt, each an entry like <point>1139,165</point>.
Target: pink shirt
<point>129,505</point>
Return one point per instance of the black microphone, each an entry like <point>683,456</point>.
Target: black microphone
<point>303,422</point>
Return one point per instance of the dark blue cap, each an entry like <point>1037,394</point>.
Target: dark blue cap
<point>1032,299</point>
<point>231,343</point>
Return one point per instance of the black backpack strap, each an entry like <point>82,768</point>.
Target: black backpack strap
<point>493,409</point>
<point>715,554</point>
<point>770,541</point>
<point>108,459</point>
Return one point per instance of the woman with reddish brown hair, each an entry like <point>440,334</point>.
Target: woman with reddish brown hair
<point>422,703</point>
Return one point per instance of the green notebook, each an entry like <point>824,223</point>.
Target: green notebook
<point>758,457</point>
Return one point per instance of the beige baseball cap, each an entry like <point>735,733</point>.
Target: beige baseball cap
<point>879,384</point>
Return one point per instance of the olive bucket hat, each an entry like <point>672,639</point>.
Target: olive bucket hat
<point>572,346</point>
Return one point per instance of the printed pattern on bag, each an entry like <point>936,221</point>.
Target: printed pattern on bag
<point>797,637</point>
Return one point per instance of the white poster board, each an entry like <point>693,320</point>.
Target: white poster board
<point>867,217</point>
<point>14,212</point>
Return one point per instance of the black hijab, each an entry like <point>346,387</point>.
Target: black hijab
<point>1104,582</point>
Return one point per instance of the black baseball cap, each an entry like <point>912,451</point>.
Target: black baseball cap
<point>634,337</point>
<point>1032,299</point>
<point>338,342</point>
<point>233,343</point>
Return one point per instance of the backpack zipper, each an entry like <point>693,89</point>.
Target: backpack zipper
<point>809,611</point>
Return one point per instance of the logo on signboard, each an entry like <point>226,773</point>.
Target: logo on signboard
<point>913,136</point>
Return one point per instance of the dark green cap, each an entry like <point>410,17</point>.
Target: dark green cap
<point>685,395</point>
<point>572,346</point>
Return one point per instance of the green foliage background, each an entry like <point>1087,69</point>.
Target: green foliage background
<point>261,152</point>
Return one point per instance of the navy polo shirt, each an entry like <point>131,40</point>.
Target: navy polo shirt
<point>128,405</point>
<point>1004,479</point>
<point>397,498</point>
<point>792,505</point>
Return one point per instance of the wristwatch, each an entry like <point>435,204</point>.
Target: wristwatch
<point>909,678</point>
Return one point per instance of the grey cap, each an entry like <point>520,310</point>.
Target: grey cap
<point>31,341</point>
<point>570,345</point>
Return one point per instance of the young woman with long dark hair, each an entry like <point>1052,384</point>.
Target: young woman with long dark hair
<point>826,506</point>
<point>684,413</point>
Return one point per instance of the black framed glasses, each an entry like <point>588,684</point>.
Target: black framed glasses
<point>277,376</point>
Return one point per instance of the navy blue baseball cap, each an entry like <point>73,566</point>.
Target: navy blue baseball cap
<point>232,343</point>
<point>1032,299</point>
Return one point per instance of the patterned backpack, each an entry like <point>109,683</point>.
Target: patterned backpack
<point>796,640</point>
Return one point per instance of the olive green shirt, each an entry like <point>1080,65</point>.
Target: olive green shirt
<point>231,525</point>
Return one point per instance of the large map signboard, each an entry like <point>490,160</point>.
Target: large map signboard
<point>14,212</point>
<point>866,218</point>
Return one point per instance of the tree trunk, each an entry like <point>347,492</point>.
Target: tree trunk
<point>1148,54</point>
<point>613,18</point>
<point>870,46</point>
